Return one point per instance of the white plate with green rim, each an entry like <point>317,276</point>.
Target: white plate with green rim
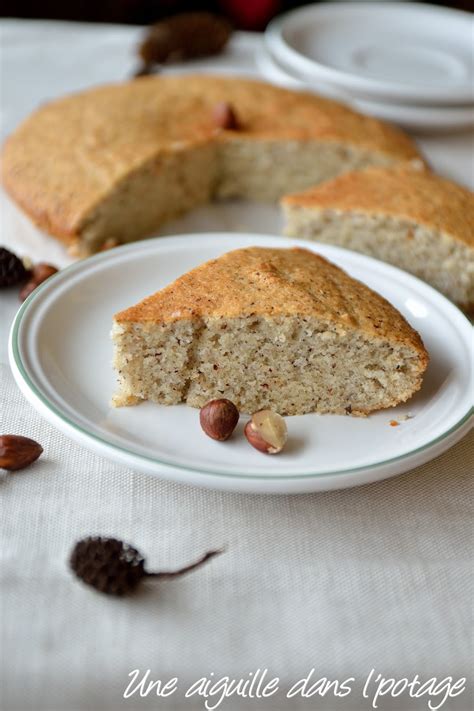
<point>410,116</point>
<point>60,353</point>
<point>401,52</point>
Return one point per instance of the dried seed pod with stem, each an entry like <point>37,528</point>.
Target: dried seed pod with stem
<point>117,568</point>
<point>185,36</point>
<point>12,269</point>
<point>188,35</point>
<point>18,452</point>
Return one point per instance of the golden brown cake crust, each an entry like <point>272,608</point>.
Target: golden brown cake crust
<point>68,156</point>
<point>275,282</point>
<point>417,195</point>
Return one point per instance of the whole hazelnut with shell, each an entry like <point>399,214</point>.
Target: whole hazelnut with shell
<point>219,419</point>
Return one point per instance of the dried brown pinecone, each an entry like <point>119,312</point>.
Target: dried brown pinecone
<point>107,564</point>
<point>185,36</point>
<point>12,269</point>
<point>114,567</point>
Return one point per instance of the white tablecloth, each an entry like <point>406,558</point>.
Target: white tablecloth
<point>344,582</point>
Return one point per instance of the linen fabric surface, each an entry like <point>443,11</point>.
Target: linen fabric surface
<point>343,582</point>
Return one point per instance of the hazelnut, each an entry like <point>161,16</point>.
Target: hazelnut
<point>17,452</point>
<point>39,273</point>
<point>266,431</point>
<point>219,419</point>
<point>109,244</point>
<point>42,271</point>
<point>27,289</point>
<point>224,117</point>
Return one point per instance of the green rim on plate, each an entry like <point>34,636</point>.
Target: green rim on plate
<point>15,350</point>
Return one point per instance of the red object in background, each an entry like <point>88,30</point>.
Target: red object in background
<point>250,14</point>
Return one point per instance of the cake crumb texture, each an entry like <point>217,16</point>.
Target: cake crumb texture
<point>117,161</point>
<point>413,219</point>
<point>268,328</point>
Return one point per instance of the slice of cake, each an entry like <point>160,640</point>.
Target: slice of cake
<point>411,218</point>
<point>268,328</point>
<point>113,163</point>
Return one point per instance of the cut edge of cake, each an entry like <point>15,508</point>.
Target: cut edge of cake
<point>413,219</point>
<point>80,165</point>
<point>268,328</point>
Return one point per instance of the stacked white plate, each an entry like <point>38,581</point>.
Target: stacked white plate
<point>409,63</point>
